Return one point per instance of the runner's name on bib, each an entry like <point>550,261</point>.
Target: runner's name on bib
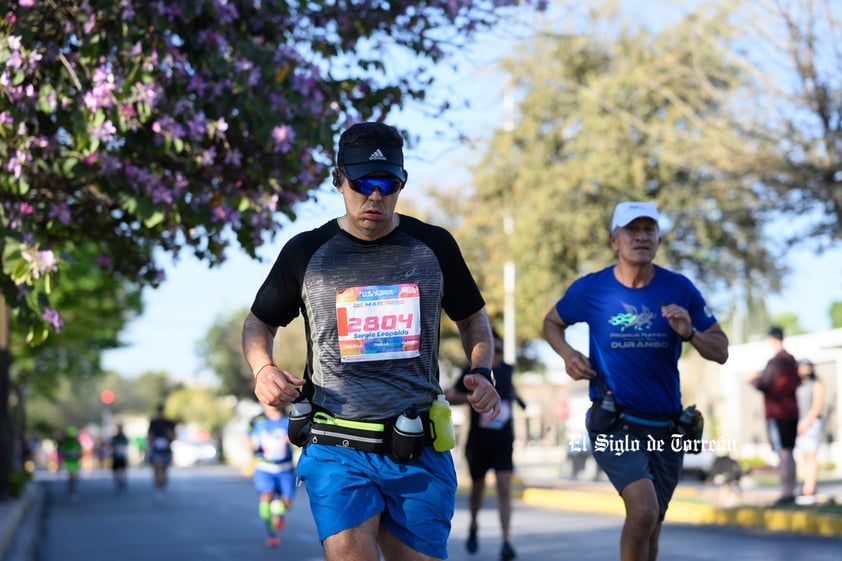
<point>381,322</point>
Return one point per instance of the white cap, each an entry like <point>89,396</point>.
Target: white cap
<point>625,213</point>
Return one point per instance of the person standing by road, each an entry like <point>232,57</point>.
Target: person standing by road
<point>274,474</point>
<point>639,315</point>
<point>490,445</point>
<point>778,381</point>
<point>159,439</point>
<point>810,398</point>
<point>372,285</point>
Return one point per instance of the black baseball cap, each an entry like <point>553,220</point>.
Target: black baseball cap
<point>359,161</point>
<point>776,333</point>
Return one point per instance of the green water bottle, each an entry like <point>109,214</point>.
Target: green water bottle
<point>444,436</point>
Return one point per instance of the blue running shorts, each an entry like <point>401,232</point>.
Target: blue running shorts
<point>415,500</point>
<point>281,483</point>
<point>623,464</point>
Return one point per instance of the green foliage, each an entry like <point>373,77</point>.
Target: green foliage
<point>201,407</point>
<point>221,352</point>
<point>77,401</point>
<point>17,482</point>
<point>96,307</point>
<point>788,322</point>
<point>637,116</point>
<point>835,313</point>
<point>677,112</point>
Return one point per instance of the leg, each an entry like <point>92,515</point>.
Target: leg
<point>787,472</point>
<point>395,550</point>
<point>811,470</point>
<point>504,507</point>
<point>354,544</point>
<point>642,526</point>
<point>475,499</point>
<point>265,510</point>
<point>284,489</point>
<point>71,483</point>
<point>504,501</point>
<point>474,505</point>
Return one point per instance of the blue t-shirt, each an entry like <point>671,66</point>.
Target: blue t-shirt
<point>632,347</point>
<point>270,440</point>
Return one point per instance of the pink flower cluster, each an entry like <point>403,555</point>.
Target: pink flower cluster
<point>194,123</point>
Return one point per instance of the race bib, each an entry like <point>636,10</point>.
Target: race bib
<point>380,322</point>
<point>274,445</point>
<point>500,420</point>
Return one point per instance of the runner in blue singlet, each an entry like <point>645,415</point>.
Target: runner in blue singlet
<point>274,474</point>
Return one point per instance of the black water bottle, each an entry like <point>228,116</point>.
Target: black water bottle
<point>299,422</point>
<point>691,426</point>
<point>686,418</point>
<point>407,440</point>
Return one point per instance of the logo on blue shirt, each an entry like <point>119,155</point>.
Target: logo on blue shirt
<point>633,319</point>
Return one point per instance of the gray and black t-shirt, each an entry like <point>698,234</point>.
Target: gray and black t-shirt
<point>392,291</point>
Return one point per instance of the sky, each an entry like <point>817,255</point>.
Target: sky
<point>179,313</point>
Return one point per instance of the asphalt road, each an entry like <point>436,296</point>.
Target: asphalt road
<point>211,513</point>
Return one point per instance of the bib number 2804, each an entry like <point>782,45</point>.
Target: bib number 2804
<point>379,323</point>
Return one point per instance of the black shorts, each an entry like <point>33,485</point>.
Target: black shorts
<point>782,433</point>
<point>483,457</point>
<point>118,463</point>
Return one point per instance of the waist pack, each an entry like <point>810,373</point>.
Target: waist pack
<point>689,425</point>
<point>364,436</point>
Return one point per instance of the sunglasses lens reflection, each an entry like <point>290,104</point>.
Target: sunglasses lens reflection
<point>367,185</point>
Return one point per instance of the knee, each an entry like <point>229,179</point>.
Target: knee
<point>643,517</point>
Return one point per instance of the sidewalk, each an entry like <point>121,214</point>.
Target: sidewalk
<point>19,524</point>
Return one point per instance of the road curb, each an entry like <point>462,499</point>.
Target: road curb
<point>14,512</point>
<point>686,512</point>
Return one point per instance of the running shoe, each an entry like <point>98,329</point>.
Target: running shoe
<point>273,541</point>
<point>507,552</point>
<point>278,522</point>
<point>472,545</point>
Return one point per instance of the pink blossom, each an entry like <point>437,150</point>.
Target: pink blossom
<point>53,317</point>
<point>284,136</point>
<point>40,261</point>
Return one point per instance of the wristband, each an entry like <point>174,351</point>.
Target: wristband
<point>486,373</point>
<point>259,370</point>
<point>692,334</point>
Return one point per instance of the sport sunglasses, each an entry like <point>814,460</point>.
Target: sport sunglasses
<point>367,185</point>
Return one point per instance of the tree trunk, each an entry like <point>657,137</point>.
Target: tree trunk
<point>6,437</point>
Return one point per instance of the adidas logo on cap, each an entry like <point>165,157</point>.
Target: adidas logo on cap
<point>377,155</point>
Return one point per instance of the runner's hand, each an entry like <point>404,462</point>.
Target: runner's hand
<point>277,387</point>
<point>482,396</point>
